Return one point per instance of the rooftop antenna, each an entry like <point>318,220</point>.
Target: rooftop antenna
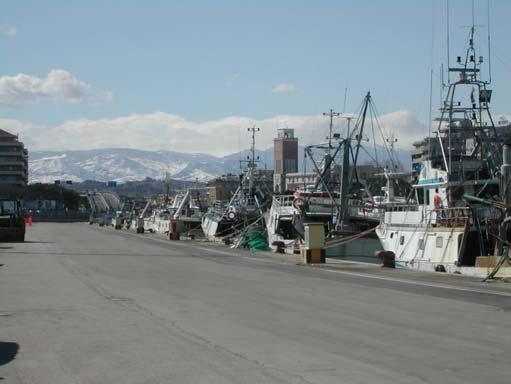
<point>332,114</point>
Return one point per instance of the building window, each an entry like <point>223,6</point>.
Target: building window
<point>422,244</point>
<point>290,165</point>
<point>439,241</point>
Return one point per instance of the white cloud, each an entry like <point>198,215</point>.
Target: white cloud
<point>164,131</point>
<point>58,85</point>
<point>28,132</point>
<point>283,88</point>
<point>405,127</point>
<point>8,31</point>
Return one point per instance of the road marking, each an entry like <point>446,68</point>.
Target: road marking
<point>412,282</point>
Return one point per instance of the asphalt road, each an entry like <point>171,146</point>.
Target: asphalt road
<point>83,304</point>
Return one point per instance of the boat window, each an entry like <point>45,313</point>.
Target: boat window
<point>439,241</point>
<point>401,240</point>
<point>391,235</point>
<point>422,244</point>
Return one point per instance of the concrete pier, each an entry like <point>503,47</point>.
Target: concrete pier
<point>84,304</point>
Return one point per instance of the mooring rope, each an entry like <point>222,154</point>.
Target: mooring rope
<point>348,239</point>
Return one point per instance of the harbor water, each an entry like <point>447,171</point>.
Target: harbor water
<point>357,250</point>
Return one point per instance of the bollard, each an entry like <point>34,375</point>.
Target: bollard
<point>173,233</point>
<point>279,246</point>
<point>140,225</point>
<point>388,258</point>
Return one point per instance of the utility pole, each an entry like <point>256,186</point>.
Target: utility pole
<point>332,114</point>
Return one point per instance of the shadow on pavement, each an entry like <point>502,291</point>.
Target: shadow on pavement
<point>8,352</point>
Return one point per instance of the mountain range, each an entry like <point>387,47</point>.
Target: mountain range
<point>122,165</point>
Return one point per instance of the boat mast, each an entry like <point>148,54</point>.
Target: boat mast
<point>468,120</point>
<point>360,134</point>
<point>332,114</point>
<point>252,161</point>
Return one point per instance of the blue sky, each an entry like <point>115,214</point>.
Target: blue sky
<point>210,60</point>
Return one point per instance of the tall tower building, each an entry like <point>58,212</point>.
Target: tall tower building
<point>285,147</point>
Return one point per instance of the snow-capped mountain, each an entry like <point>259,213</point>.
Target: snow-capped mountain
<point>124,165</point>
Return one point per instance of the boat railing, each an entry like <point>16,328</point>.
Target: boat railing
<point>283,201</point>
<point>398,207</point>
<point>452,217</point>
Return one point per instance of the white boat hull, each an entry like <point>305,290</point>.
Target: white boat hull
<point>430,249</point>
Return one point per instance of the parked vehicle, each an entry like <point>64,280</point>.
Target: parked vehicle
<point>12,223</point>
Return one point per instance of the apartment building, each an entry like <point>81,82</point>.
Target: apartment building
<point>13,160</point>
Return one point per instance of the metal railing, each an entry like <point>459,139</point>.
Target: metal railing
<point>452,217</point>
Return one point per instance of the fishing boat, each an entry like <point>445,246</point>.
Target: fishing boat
<point>247,205</point>
<point>186,210</point>
<point>335,195</point>
<point>455,220</point>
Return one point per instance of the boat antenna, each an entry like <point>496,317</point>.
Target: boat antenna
<point>345,97</point>
<point>489,43</point>
<point>431,80</point>
<point>239,146</point>
<point>348,119</point>
<point>430,123</point>
<point>473,15</point>
<point>332,114</point>
<point>448,46</point>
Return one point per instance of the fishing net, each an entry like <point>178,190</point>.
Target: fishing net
<point>255,238</point>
